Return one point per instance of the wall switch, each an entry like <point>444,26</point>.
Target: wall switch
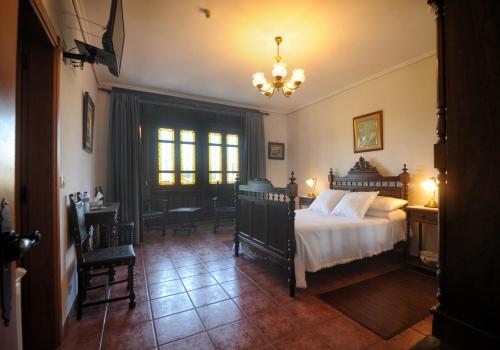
<point>61,181</point>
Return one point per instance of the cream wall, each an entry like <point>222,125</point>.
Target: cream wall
<point>275,130</point>
<point>320,135</point>
<point>81,171</point>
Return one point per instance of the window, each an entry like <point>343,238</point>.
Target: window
<point>166,157</point>
<point>167,150</point>
<point>232,158</point>
<point>188,157</point>
<point>220,147</point>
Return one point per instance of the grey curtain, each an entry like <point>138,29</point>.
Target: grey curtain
<point>253,162</point>
<point>124,158</point>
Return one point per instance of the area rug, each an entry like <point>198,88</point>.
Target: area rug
<point>387,304</point>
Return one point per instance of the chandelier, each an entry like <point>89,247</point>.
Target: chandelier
<point>286,86</point>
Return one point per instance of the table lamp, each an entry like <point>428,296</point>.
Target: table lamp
<point>431,185</point>
<point>312,183</point>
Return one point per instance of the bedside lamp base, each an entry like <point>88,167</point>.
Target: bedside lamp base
<point>432,203</point>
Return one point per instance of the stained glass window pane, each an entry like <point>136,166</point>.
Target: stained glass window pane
<point>166,156</point>
<point>188,157</point>
<point>187,136</point>
<point>165,134</point>
<point>214,158</point>
<point>232,140</point>
<point>215,137</point>
<point>231,178</point>
<point>214,178</point>
<point>232,159</point>
<point>166,179</point>
<point>188,179</point>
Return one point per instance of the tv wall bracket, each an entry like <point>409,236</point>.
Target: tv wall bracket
<point>88,54</point>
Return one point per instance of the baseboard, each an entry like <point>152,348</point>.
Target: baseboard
<point>71,314</point>
<point>461,334</point>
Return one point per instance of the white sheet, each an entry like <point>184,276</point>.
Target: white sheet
<point>324,240</point>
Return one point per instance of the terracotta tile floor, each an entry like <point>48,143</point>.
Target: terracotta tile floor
<point>193,294</point>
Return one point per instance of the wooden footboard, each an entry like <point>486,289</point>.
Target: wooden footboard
<point>265,217</point>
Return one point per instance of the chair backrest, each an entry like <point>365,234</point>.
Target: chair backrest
<point>77,226</point>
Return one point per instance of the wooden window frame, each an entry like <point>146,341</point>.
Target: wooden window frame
<point>224,146</point>
<point>177,158</point>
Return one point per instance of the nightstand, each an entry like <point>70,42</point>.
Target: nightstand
<point>420,215</point>
<point>305,200</point>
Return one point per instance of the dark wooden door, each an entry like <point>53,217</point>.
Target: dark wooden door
<point>8,59</point>
<point>468,158</point>
<point>38,74</point>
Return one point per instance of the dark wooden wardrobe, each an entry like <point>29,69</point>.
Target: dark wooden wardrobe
<point>467,155</point>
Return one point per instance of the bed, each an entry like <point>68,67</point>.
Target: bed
<point>302,240</point>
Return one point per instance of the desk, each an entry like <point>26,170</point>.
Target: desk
<point>106,215</point>
<point>184,218</point>
<point>305,200</point>
<point>421,215</point>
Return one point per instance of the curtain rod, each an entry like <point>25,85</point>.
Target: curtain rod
<point>189,101</point>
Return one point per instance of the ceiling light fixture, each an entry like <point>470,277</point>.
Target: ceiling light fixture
<point>286,86</point>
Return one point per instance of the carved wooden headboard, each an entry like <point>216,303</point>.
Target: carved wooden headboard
<point>365,177</point>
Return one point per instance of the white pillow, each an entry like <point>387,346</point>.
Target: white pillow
<point>326,201</point>
<point>387,203</point>
<point>397,214</point>
<point>354,204</point>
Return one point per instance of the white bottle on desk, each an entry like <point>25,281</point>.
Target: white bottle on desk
<point>86,201</point>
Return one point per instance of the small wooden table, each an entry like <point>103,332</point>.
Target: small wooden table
<point>421,215</point>
<point>105,215</point>
<point>184,218</point>
<point>305,200</point>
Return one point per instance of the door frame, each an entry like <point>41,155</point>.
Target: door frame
<point>40,329</point>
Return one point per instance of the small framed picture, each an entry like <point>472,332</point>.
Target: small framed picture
<point>368,132</point>
<point>88,123</point>
<point>276,150</point>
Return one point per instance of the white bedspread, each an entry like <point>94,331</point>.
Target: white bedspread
<point>324,240</point>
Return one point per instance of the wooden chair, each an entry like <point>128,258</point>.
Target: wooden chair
<point>224,209</point>
<point>154,212</point>
<point>102,261</point>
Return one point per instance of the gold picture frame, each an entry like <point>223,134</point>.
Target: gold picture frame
<point>368,132</point>
<point>88,123</point>
<point>276,150</point>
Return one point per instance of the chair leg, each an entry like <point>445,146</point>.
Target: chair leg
<point>216,224</point>
<point>130,285</point>
<point>79,298</point>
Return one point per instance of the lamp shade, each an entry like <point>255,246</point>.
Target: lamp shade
<point>259,80</point>
<point>311,182</point>
<point>279,70</point>
<point>298,76</point>
<point>429,184</point>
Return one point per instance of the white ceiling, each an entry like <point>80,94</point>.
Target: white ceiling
<point>171,46</point>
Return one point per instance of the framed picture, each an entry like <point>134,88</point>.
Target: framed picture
<point>88,123</point>
<point>368,132</point>
<point>276,150</point>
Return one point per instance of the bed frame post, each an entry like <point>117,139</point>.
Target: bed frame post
<point>292,190</point>
<point>330,178</point>
<point>404,178</point>
<point>236,229</point>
